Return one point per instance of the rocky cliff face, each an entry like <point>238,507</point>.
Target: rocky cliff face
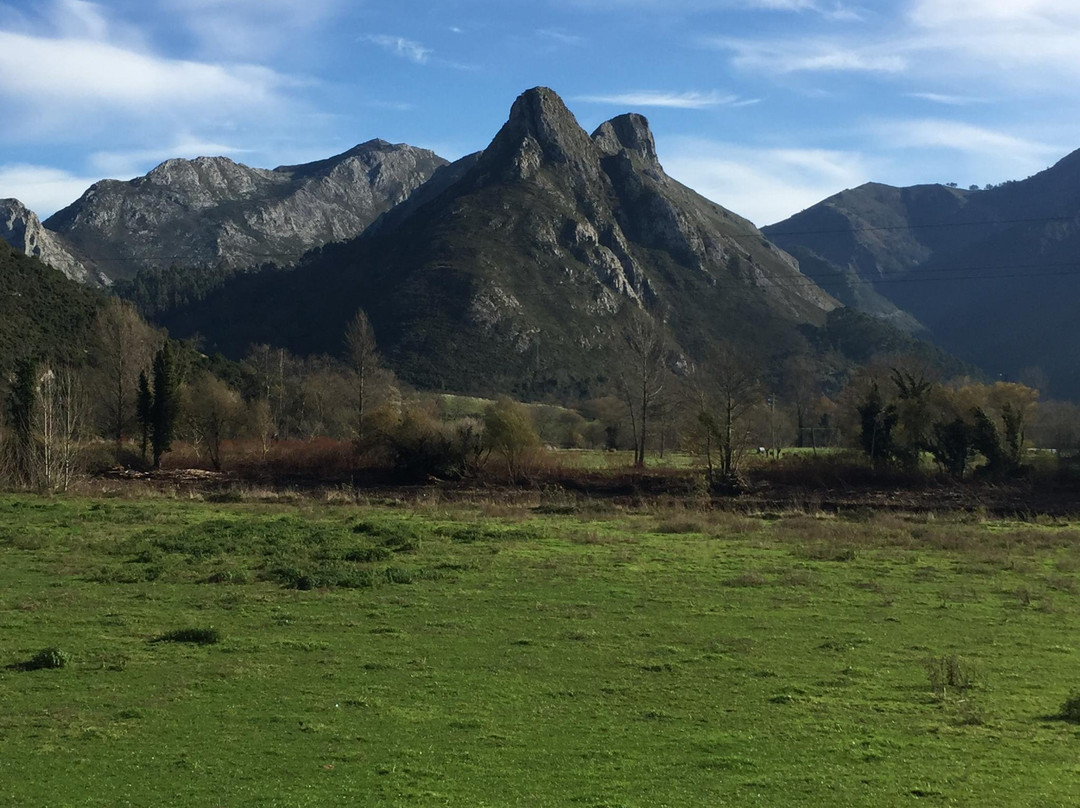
<point>509,269</point>
<point>21,229</point>
<point>214,212</point>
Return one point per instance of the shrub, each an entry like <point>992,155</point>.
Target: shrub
<point>423,446</point>
<point>229,575</point>
<point>949,671</point>
<point>47,659</point>
<point>195,636</point>
<point>1070,710</point>
<point>323,577</point>
<point>368,555</point>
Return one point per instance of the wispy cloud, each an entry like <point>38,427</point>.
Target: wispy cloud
<point>655,98</point>
<point>958,136</point>
<point>89,75</point>
<point>763,184</point>
<point>805,55</point>
<point>127,164</point>
<point>561,37</point>
<point>835,10</point>
<point>947,100</point>
<point>243,29</point>
<point>400,46</point>
<point>43,189</point>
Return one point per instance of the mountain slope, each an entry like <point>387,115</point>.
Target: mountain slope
<point>992,274</point>
<point>43,315</point>
<point>510,272</point>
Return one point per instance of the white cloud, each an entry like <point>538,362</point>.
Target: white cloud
<point>127,164</point>
<point>962,137</point>
<point>85,72</point>
<point>252,29</point>
<point>935,13</point>
<point>399,46</point>
<point>655,98</point>
<point>560,37</point>
<point>764,185</point>
<point>947,100</point>
<point>78,19</point>
<point>808,55</point>
<point>41,188</point>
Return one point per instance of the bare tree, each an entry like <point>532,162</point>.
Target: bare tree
<point>642,375</point>
<point>213,414</point>
<point>46,411</point>
<point>726,391</point>
<point>369,376</point>
<point>62,416</point>
<point>123,346</point>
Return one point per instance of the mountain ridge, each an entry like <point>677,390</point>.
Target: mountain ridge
<point>988,273</point>
<point>517,263</point>
<point>215,212</point>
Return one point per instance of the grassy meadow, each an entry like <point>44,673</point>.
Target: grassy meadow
<point>567,654</point>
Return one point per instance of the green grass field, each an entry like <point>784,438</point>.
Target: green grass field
<point>590,657</point>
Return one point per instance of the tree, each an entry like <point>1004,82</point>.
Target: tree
<point>213,413</point>
<point>725,390</point>
<point>509,433</point>
<point>166,406</point>
<point>60,412</point>
<point>20,414</point>
<point>370,378</point>
<point>45,412</point>
<point>144,410</point>
<point>952,445</point>
<point>987,441</point>
<point>122,348</point>
<point>641,378</point>
<point>877,422</point>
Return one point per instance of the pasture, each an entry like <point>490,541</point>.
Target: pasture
<point>304,653</point>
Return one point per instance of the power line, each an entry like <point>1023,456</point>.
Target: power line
<point>733,234</point>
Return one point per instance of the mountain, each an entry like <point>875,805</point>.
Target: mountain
<point>509,271</point>
<point>212,212</point>
<point>21,229</point>
<point>992,274</point>
<point>43,315</point>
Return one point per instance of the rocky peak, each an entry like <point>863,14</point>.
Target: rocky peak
<point>541,130</point>
<point>628,134</point>
<point>21,228</point>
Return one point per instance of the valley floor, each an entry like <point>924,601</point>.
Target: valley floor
<point>548,654</point>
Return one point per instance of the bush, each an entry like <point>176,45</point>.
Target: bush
<point>324,577</point>
<point>368,555</point>
<point>47,659</point>
<point>1070,710</point>
<point>423,446</point>
<point>195,636</point>
<point>949,671</point>
<point>509,433</point>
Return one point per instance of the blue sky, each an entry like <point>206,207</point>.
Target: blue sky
<point>765,106</point>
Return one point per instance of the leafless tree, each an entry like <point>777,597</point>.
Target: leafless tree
<point>642,375</point>
<point>123,346</point>
<point>726,390</point>
<point>213,414</point>
<point>370,379</point>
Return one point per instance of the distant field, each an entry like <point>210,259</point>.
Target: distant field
<point>563,656</point>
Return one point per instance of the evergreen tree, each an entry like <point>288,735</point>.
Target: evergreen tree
<point>144,410</point>
<point>20,411</point>
<point>878,421</point>
<point>166,404</point>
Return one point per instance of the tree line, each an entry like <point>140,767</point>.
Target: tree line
<point>138,394</point>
